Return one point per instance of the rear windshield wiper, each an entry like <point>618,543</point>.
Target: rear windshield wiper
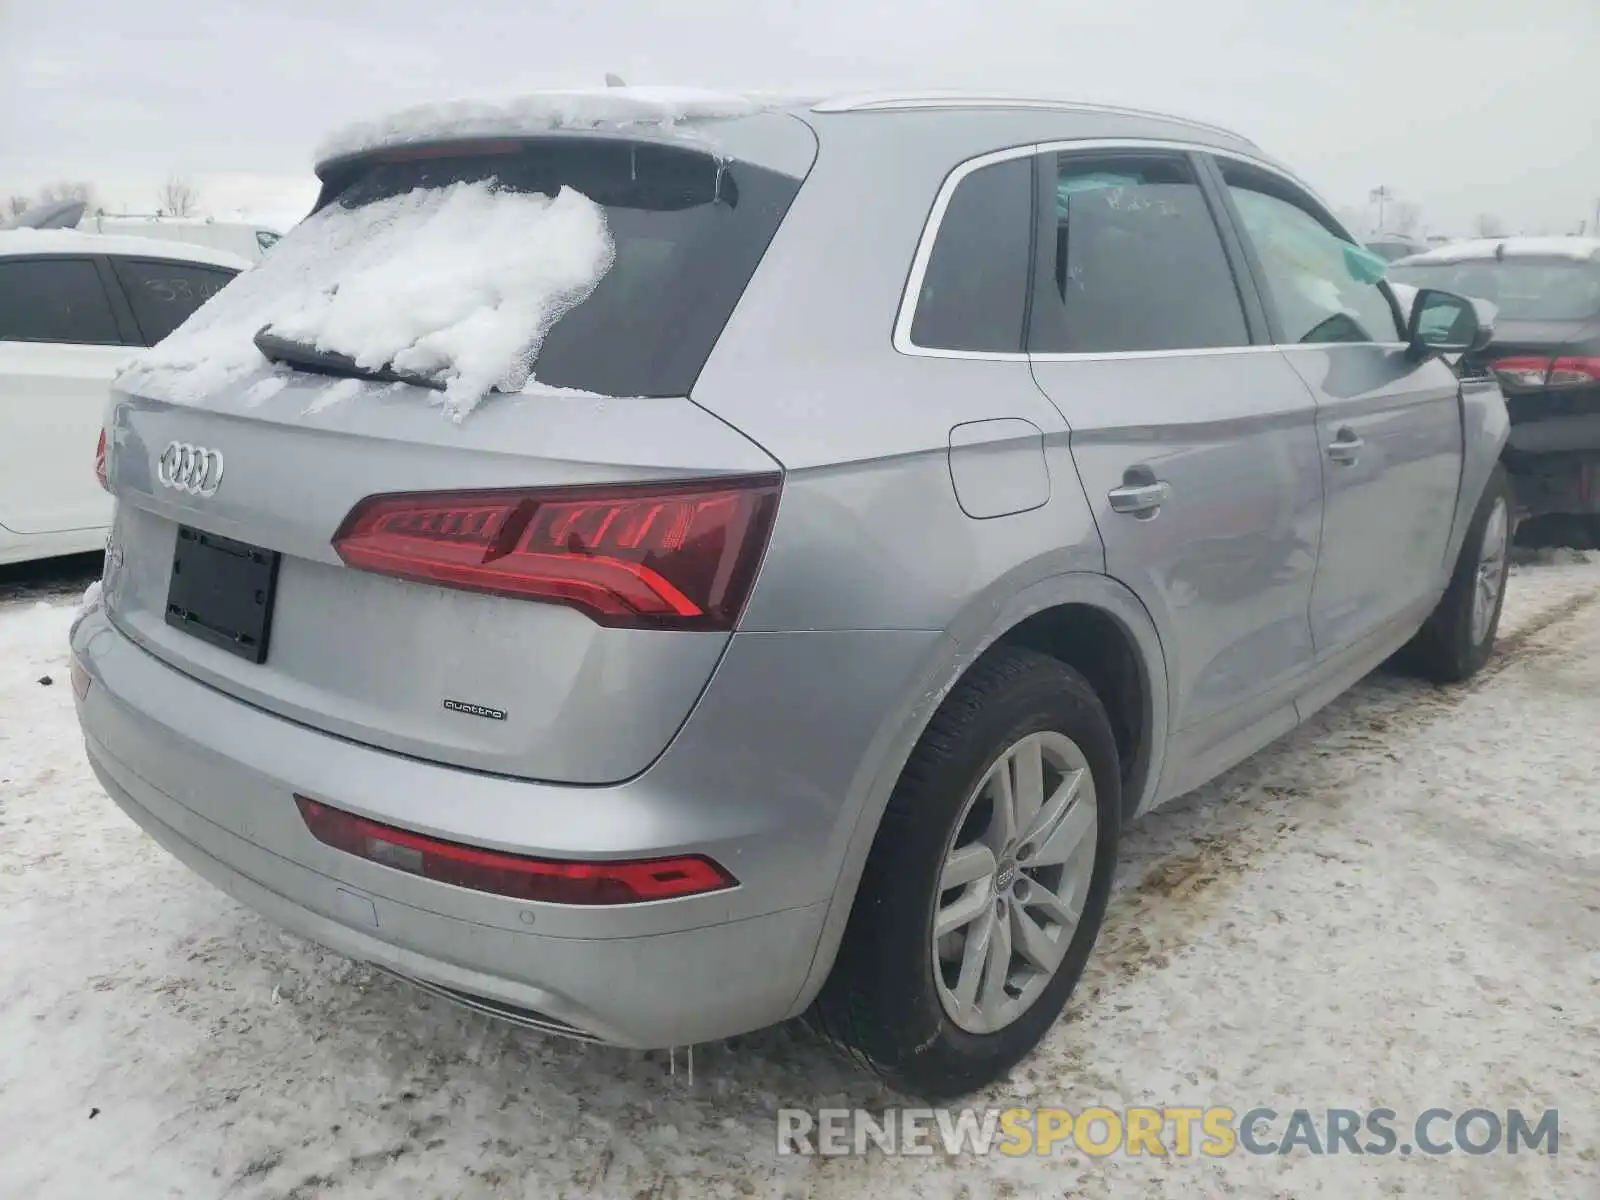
<point>328,362</point>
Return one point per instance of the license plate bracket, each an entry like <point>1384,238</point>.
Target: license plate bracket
<point>222,591</point>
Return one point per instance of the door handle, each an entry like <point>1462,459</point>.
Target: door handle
<point>1345,447</point>
<point>1139,499</point>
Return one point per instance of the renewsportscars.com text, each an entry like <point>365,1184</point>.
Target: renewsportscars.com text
<point>1180,1132</point>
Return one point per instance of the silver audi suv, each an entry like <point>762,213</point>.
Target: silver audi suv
<point>650,566</point>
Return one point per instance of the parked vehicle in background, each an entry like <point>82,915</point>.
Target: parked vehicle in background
<point>796,625</point>
<point>1545,355</point>
<point>246,239</point>
<point>74,307</point>
<point>1391,246</point>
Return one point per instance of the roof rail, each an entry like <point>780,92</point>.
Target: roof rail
<point>889,101</point>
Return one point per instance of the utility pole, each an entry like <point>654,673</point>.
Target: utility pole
<point>1380,194</point>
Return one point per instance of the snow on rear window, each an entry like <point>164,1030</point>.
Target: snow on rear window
<point>458,283</point>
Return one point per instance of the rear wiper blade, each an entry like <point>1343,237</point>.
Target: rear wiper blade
<point>328,362</point>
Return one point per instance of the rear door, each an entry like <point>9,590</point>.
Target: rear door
<point>1388,428</point>
<point>1195,441</point>
<point>60,344</point>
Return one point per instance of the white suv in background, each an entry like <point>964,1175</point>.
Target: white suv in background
<point>73,308</point>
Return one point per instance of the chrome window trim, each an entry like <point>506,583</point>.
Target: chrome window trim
<point>905,317</point>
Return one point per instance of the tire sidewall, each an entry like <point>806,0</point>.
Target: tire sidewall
<point>1476,653</point>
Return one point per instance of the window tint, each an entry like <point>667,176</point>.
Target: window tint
<point>1321,287</point>
<point>1139,263</point>
<point>975,290</point>
<point>55,300</point>
<point>163,294</point>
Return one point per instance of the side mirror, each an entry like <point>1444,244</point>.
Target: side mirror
<point>1443,323</point>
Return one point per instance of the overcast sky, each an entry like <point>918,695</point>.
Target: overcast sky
<point>1460,106</point>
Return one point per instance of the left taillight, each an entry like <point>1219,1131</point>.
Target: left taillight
<point>100,462</point>
<point>1526,370</point>
<point>659,556</point>
<point>552,881</point>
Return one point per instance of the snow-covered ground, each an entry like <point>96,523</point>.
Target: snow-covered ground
<point>1397,906</point>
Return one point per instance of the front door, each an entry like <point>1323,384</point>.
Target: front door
<point>1388,428</point>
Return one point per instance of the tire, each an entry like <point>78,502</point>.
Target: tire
<point>1452,646</point>
<point>883,1000</point>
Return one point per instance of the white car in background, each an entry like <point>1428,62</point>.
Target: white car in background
<point>244,238</point>
<point>74,307</point>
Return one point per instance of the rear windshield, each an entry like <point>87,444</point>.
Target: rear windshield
<point>1522,289</point>
<point>595,265</point>
<point>687,233</point>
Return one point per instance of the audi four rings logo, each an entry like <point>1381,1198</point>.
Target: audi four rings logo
<point>190,468</point>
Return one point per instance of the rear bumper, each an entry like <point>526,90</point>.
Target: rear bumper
<point>212,780</point>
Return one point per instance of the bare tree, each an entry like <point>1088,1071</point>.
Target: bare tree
<point>1405,216</point>
<point>17,205</point>
<point>1488,225</point>
<point>178,198</point>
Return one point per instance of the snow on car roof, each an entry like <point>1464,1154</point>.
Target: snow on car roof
<point>15,242</point>
<point>1578,248</point>
<point>539,112</point>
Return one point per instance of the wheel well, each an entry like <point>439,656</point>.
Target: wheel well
<point>1097,646</point>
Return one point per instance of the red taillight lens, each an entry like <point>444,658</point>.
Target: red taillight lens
<point>512,875</point>
<point>100,462</point>
<point>665,556</point>
<point>1574,370</point>
<point>1523,370</point>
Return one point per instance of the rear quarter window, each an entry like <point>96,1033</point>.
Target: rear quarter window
<point>974,292</point>
<point>164,294</point>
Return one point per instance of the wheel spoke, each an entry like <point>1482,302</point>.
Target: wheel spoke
<point>997,969</point>
<point>1027,767</point>
<point>1035,945</point>
<point>1003,799</point>
<point>962,911</point>
<point>967,865</point>
<point>1075,822</point>
<point>973,957</point>
<point>1055,809</point>
<point>1052,907</point>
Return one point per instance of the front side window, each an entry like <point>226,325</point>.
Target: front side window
<point>55,300</point>
<point>1139,264</point>
<point>1320,287</point>
<point>975,290</point>
<point>164,294</point>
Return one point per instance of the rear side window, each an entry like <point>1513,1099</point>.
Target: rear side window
<point>1320,286</point>
<point>163,294</point>
<point>974,292</point>
<point>1138,262</point>
<point>688,232</point>
<point>55,300</point>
